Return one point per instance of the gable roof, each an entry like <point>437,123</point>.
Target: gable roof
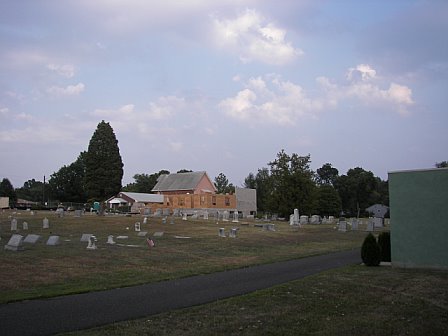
<point>180,181</point>
<point>142,197</point>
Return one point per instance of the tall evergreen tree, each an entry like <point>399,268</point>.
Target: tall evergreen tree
<point>7,190</point>
<point>104,167</point>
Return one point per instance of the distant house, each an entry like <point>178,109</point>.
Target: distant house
<point>184,183</point>
<point>136,201</point>
<point>4,202</point>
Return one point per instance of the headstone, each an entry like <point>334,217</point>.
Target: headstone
<point>142,233</point>
<point>378,222</point>
<point>176,212</point>
<point>158,213</point>
<point>303,219</point>
<point>315,219</point>
<point>172,220</point>
<point>158,234</point>
<point>110,240</point>
<point>25,225</point>
<point>354,224</point>
<point>164,220</point>
<point>137,227</point>
<point>13,224</point>
<point>295,218</point>
<point>15,243</point>
<point>269,227</point>
<point>235,217</point>
<point>122,237</point>
<point>370,225</point>
<point>233,232</point>
<point>222,232</point>
<point>78,213</point>
<point>147,211</point>
<point>330,219</point>
<point>31,239</point>
<point>195,215</point>
<point>45,223</point>
<point>60,212</point>
<point>53,241</point>
<point>85,237</point>
<point>184,216</point>
<point>92,243</point>
<point>205,214</point>
<point>343,226</point>
<point>145,220</point>
<point>225,216</point>
<point>166,212</point>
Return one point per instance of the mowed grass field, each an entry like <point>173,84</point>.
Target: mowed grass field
<point>46,271</point>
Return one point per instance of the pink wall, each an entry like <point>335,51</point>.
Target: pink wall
<point>204,184</point>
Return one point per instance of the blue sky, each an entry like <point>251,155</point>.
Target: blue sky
<point>223,86</point>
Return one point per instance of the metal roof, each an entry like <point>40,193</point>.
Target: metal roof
<point>144,198</point>
<point>179,181</point>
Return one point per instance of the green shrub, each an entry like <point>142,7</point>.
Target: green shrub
<point>384,243</point>
<point>370,251</point>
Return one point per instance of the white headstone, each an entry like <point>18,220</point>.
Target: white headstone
<point>13,224</point>
<point>31,239</point>
<point>158,234</point>
<point>296,217</point>
<point>110,240</point>
<point>235,217</point>
<point>378,222</point>
<point>233,232</point>
<point>25,225</point>
<point>354,224</point>
<point>85,237</point>
<point>45,223</point>
<point>370,225</point>
<point>15,243</point>
<point>53,241</point>
<point>315,219</point>
<point>145,220</point>
<point>303,219</point>
<point>195,215</point>
<point>92,243</point>
<point>142,233</point>
<point>164,220</point>
<point>343,226</point>
<point>205,214</point>
<point>225,216</point>
<point>137,227</point>
<point>222,232</point>
<point>184,216</point>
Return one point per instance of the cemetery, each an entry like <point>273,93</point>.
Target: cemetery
<point>38,261</point>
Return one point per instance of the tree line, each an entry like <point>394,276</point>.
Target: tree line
<point>286,183</point>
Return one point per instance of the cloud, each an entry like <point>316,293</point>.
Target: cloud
<point>71,90</point>
<point>4,111</point>
<point>252,38</point>
<point>271,100</point>
<point>66,70</point>
<point>165,107</point>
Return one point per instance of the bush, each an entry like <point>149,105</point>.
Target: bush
<point>370,251</point>
<point>384,244</point>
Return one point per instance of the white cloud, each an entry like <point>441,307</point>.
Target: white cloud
<point>71,90</point>
<point>363,72</point>
<point>252,38</point>
<point>66,70</point>
<point>165,107</point>
<point>4,111</point>
<point>271,100</point>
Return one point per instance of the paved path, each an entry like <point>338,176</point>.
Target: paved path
<point>81,311</point>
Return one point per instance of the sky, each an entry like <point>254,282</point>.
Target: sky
<point>223,86</point>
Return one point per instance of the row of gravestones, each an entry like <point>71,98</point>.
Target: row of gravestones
<point>372,223</point>
<point>16,241</point>
<point>45,224</point>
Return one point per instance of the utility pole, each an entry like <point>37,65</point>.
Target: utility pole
<point>43,192</point>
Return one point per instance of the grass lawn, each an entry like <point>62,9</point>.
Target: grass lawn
<point>46,271</point>
<point>355,300</point>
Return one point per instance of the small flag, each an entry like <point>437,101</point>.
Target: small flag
<point>150,242</point>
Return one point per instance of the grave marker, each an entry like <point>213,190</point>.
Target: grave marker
<point>92,243</point>
<point>31,239</point>
<point>45,223</point>
<point>13,224</point>
<point>53,241</point>
<point>25,225</point>
<point>142,233</point>
<point>15,243</point>
<point>233,232</point>
<point>222,232</point>
<point>85,237</point>
<point>137,227</point>
<point>110,240</point>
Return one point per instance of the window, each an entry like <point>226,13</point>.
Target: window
<point>227,201</point>
<point>214,200</point>
<point>181,201</point>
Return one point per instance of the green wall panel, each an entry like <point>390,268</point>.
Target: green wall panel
<point>419,218</point>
